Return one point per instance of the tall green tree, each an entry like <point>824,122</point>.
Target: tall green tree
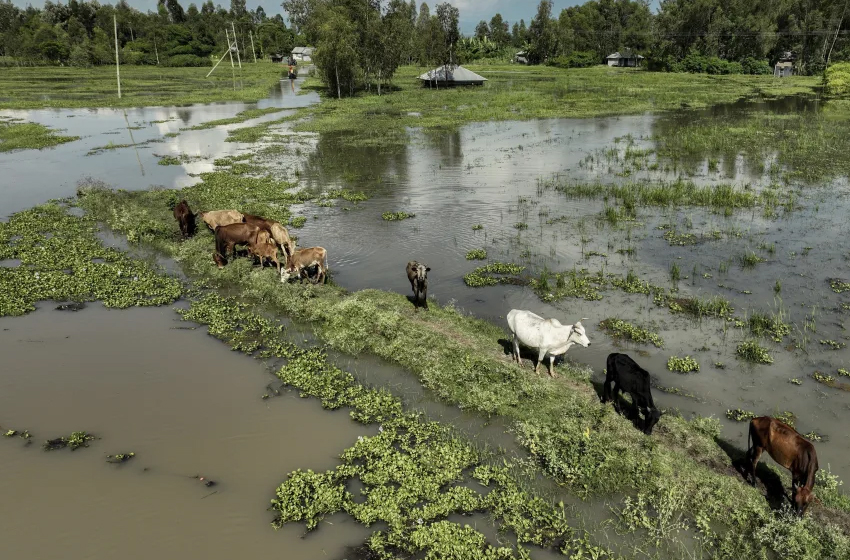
<point>541,34</point>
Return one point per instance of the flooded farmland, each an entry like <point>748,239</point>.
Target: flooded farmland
<point>510,178</point>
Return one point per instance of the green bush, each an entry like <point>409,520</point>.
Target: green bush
<point>577,59</point>
<point>837,78</point>
<point>187,60</point>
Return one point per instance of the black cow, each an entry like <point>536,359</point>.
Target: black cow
<point>634,380</point>
<point>184,216</point>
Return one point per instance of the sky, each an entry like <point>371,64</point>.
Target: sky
<point>471,11</point>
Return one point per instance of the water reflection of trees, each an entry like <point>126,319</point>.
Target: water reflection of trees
<point>448,145</point>
<point>354,162</point>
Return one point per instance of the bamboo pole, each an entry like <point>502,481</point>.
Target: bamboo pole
<point>219,61</point>
<point>117,69</point>
<point>251,36</point>
<point>233,27</point>
<point>229,46</point>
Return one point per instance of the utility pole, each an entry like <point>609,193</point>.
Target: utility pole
<point>251,36</point>
<point>233,27</point>
<point>117,69</point>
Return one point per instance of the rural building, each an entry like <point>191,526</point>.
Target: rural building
<point>451,75</point>
<point>784,66</point>
<point>302,54</point>
<point>277,57</point>
<point>521,57</point>
<point>626,58</point>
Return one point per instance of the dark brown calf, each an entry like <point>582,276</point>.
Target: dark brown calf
<point>417,273</point>
<point>789,449</point>
<point>184,216</point>
<point>229,236</point>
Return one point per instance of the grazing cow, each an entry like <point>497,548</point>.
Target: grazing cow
<point>229,236</point>
<point>789,449</point>
<point>417,273</point>
<point>548,336</point>
<point>183,215</point>
<point>279,233</point>
<point>215,218</point>
<point>302,260</point>
<point>264,248</point>
<point>625,375</point>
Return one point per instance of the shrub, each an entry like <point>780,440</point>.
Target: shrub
<point>576,59</point>
<point>186,60</point>
<point>837,78</point>
<point>750,351</point>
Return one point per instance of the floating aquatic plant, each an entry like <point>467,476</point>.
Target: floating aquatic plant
<point>682,365</point>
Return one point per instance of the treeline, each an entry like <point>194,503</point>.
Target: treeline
<point>717,36</point>
<point>80,33</point>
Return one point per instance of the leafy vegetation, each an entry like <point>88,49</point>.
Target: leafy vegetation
<point>476,255</point>
<point>772,327</point>
<point>751,351</point>
<point>494,273</point>
<point>682,365</point>
<point>618,328</point>
<point>74,441</point>
<point>28,136</point>
<point>396,216</point>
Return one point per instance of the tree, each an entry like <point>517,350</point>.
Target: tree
<point>541,34</point>
<point>499,32</point>
<point>448,17</point>
<point>336,51</point>
<point>481,30</point>
<point>298,12</point>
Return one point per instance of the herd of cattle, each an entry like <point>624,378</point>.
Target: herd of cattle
<point>781,441</point>
<point>263,238</point>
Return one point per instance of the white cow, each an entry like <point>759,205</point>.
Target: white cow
<point>548,336</point>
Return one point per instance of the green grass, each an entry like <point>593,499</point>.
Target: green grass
<point>141,86</point>
<point>537,92</point>
<point>29,136</point>
<point>240,117</point>
<point>806,142</point>
<point>773,327</point>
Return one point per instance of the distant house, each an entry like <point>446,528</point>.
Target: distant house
<point>302,54</point>
<point>624,59</point>
<point>277,57</point>
<point>785,65</point>
<point>521,57</point>
<point>451,75</point>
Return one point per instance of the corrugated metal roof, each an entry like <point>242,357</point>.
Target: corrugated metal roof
<point>456,74</point>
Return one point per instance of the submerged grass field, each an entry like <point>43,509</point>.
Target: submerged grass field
<point>38,87</point>
<point>580,443</point>
<point>27,136</point>
<point>515,92</point>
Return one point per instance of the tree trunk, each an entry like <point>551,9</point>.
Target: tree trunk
<point>336,71</point>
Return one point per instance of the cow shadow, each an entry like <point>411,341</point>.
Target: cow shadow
<point>775,491</point>
<point>418,304</point>
<point>528,354</point>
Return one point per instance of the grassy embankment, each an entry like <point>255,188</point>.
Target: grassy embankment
<point>15,135</point>
<point>580,443</point>
<point>33,88</point>
<point>517,92</point>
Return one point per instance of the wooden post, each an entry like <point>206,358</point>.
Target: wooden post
<point>117,70</point>
<point>251,36</point>
<point>219,61</point>
<point>229,46</point>
<point>233,27</point>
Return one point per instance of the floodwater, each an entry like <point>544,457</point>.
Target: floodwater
<point>186,406</point>
<point>489,174</point>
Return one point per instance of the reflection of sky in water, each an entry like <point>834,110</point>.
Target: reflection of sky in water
<point>30,177</point>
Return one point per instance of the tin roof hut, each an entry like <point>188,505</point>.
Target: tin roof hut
<point>623,59</point>
<point>451,75</point>
<point>785,65</point>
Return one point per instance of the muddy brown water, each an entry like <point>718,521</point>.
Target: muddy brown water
<point>187,406</point>
<point>488,174</point>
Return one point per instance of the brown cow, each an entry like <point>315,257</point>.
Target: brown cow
<point>303,259</point>
<point>279,233</point>
<point>789,449</point>
<point>229,236</point>
<point>265,248</point>
<point>183,215</point>
<point>215,218</point>
<point>417,273</point>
